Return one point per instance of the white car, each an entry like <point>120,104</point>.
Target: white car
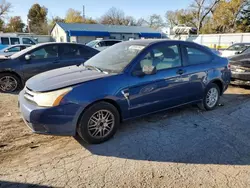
<point>102,44</point>
<point>235,49</point>
<point>10,50</point>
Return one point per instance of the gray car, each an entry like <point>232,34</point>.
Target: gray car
<point>18,68</point>
<point>10,50</point>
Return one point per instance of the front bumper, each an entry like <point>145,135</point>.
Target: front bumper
<point>59,120</point>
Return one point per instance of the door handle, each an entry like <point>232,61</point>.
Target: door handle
<point>180,71</point>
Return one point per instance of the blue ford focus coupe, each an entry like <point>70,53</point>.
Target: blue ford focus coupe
<point>128,80</point>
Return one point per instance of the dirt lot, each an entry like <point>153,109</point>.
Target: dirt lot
<point>180,148</point>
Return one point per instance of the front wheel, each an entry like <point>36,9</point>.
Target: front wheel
<point>9,83</point>
<point>211,97</point>
<point>98,123</point>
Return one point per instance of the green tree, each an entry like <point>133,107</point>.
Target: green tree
<point>38,19</point>
<point>15,24</point>
<point>89,21</point>
<point>73,16</point>
<point>226,15</point>
<point>155,21</point>
<point>1,25</point>
<point>243,24</point>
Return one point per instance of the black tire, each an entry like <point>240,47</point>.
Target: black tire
<point>15,78</point>
<point>204,105</point>
<point>82,128</point>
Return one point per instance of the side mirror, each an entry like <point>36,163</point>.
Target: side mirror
<point>27,57</point>
<point>149,70</point>
<point>6,51</point>
<point>97,46</point>
<point>237,53</point>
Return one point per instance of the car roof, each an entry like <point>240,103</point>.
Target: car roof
<point>147,42</point>
<point>241,43</point>
<point>18,45</point>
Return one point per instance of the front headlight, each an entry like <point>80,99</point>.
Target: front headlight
<point>50,99</point>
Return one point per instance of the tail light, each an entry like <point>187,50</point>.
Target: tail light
<point>229,66</point>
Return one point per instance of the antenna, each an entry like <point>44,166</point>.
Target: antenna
<point>83,12</point>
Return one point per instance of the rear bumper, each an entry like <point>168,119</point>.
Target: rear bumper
<point>59,120</point>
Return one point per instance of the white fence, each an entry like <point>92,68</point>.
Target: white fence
<point>219,41</point>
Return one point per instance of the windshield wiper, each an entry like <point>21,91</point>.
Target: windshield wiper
<point>93,68</point>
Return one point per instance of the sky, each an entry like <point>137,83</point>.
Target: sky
<point>96,8</point>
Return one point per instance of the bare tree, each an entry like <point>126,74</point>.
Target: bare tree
<point>113,16</point>
<point>4,8</point>
<point>201,9</point>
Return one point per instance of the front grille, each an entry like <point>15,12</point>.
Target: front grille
<point>29,94</point>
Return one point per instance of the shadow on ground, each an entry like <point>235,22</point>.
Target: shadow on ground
<point>5,184</point>
<point>186,135</point>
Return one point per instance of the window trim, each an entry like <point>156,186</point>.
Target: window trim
<point>185,54</point>
<point>149,48</point>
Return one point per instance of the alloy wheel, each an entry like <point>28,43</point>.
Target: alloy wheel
<point>101,124</point>
<point>212,97</point>
<point>8,83</point>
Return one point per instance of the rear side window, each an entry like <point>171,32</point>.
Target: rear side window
<point>87,52</point>
<point>5,40</point>
<point>197,56</point>
<point>70,51</point>
<point>14,41</point>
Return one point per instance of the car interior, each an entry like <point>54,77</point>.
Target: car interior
<point>162,58</point>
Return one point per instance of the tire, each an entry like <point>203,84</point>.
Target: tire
<point>205,102</point>
<point>15,84</point>
<point>91,119</point>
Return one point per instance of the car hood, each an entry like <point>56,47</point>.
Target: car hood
<point>63,77</point>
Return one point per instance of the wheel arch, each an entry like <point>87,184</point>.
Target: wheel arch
<point>14,73</point>
<point>219,83</point>
<point>110,101</point>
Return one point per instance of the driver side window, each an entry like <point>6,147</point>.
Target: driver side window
<point>45,52</point>
<point>162,57</point>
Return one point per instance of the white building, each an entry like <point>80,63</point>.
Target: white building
<point>84,33</point>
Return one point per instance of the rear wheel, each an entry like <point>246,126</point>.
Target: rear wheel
<point>9,82</point>
<point>98,123</point>
<point>211,97</point>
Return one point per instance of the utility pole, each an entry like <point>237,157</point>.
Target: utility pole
<point>83,12</point>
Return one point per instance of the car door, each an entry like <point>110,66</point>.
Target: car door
<point>42,59</point>
<point>73,54</point>
<point>150,93</point>
<point>197,62</point>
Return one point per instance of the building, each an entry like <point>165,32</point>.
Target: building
<point>84,33</point>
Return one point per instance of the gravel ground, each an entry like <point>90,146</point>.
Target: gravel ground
<point>184,147</point>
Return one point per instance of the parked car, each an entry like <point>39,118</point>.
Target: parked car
<point>128,80</point>
<point>13,39</point>
<point>235,49</point>
<point>240,65</point>
<point>102,44</point>
<point>16,69</point>
<point>10,50</point>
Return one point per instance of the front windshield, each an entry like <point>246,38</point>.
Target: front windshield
<point>18,54</point>
<point>92,43</point>
<point>115,58</point>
